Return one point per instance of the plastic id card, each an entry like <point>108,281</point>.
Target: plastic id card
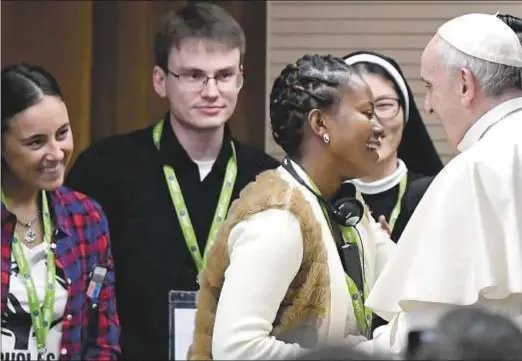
<point>182,315</point>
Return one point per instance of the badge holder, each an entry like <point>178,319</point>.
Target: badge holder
<point>182,315</point>
<point>96,281</point>
<point>95,285</point>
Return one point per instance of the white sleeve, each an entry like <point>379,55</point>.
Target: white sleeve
<point>393,337</point>
<point>266,252</point>
<point>385,247</point>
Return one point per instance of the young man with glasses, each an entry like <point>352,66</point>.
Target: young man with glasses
<point>167,188</point>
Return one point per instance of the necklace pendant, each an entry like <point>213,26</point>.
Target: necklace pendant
<point>30,235</point>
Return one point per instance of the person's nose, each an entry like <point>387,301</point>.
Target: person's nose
<point>378,130</point>
<point>55,152</point>
<point>427,104</point>
<point>210,89</point>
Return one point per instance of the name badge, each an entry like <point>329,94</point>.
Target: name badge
<point>97,278</point>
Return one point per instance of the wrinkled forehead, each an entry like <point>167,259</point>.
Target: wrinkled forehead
<point>204,54</point>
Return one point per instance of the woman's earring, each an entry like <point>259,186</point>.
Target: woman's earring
<point>326,138</point>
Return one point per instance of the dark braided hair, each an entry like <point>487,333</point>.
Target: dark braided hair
<point>313,82</point>
<point>515,23</point>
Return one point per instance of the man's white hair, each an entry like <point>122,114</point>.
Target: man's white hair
<point>494,78</point>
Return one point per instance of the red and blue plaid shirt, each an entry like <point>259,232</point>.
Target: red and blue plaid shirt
<point>80,242</point>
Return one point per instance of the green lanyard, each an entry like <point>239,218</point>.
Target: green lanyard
<point>41,316</point>
<point>397,209</point>
<point>181,208</point>
<point>363,315</point>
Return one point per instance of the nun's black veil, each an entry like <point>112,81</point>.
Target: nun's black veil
<point>416,148</point>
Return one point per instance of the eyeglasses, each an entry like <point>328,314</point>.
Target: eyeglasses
<point>387,108</point>
<point>196,80</point>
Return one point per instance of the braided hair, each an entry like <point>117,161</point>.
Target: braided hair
<point>313,82</point>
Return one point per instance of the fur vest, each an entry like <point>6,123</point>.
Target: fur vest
<point>307,300</point>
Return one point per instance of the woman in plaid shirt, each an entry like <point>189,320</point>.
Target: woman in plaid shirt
<point>57,274</point>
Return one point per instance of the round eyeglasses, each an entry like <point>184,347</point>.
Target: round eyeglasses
<point>387,108</point>
<point>196,80</point>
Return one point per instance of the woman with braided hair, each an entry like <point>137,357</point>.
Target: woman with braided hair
<point>291,265</point>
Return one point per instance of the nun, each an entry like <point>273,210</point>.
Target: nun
<point>408,160</point>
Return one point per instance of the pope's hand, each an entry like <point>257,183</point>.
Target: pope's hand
<point>352,340</point>
<point>384,225</point>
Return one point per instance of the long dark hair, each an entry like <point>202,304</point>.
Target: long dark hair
<point>416,148</point>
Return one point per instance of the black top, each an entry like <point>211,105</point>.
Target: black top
<point>124,174</point>
<point>382,204</point>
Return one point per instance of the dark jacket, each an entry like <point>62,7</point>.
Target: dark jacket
<point>124,174</point>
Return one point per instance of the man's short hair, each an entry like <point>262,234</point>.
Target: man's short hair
<point>494,78</point>
<point>200,21</point>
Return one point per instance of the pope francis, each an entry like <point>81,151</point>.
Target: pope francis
<point>463,244</point>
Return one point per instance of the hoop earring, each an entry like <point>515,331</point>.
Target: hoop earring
<point>326,138</point>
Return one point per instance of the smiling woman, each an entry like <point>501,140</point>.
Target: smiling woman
<point>38,142</point>
<point>285,273</point>
<point>44,227</point>
<point>407,157</point>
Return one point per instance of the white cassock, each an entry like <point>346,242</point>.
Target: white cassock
<point>463,244</point>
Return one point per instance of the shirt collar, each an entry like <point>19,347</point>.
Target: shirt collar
<point>173,153</point>
<point>485,122</point>
<point>59,213</point>
<point>62,217</point>
<point>384,184</point>
<point>6,214</point>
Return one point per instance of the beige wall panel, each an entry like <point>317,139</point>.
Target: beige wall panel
<point>399,29</point>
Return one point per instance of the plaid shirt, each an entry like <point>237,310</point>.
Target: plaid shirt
<point>80,242</point>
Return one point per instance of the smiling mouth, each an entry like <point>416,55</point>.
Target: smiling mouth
<point>52,169</point>
<point>373,144</point>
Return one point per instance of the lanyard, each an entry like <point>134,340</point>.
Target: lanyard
<point>363,315</point>
<point>181,208</point>
<point>41,316</point>
<point>397,209</point>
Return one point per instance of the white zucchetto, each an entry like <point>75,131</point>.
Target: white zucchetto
<point>483,36</point>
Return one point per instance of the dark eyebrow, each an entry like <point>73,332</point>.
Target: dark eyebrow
<point>365,104</point>
<point>32,137</point>
<point>189,69</point>
<point>386,97</point>
<point>66,124</point>
<point>36,136</point>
